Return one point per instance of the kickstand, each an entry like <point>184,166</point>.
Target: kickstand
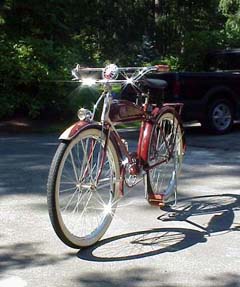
<point>197,225</point>
<point>177,216</point>
<point>175,193</point>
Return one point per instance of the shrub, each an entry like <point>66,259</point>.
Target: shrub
<point>33,74</point>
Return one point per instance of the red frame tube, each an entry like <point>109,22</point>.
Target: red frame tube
<point>144,139</point>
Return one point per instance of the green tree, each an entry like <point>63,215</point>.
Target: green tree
<point>40,41</point>
<point>231,10</point>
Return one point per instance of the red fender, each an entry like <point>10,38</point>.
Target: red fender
<point>79,126</point>
<point>144,140</point>
<point>75,129</point>
<point>147,127</point>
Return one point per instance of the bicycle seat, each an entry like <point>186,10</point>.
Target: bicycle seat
<point>155,83</point>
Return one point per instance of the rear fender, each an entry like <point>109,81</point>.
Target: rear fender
<point>146,132</point>
<point>148,128</point>
<point>175,109</point>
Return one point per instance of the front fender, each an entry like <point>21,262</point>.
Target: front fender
<point>79,126</point>
<point>75,129</point>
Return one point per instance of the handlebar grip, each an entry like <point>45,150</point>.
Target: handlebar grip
<point>162,68</point>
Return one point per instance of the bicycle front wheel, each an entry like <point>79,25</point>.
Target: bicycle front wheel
<point>166,148</point>
<point>83,188</point>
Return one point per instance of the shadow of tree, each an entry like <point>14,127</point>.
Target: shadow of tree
<point>224,280</point>
<point>22,255</point>
<point>135,277</point>
<point>25,161</point>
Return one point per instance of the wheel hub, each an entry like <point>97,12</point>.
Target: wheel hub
<point>221,116</point>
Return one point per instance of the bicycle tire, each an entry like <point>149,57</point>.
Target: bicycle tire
<point>166,135</point>
<point>75,171</point>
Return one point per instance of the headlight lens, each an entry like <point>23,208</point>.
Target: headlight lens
<point>84,114</point>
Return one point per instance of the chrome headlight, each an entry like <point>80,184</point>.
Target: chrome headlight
<point>84,114</point>
<point>110,72</point>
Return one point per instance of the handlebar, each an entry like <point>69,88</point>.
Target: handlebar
<point>159,68</point>
<point>111,72</point>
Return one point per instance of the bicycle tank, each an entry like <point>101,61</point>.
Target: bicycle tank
<point>125,111</point>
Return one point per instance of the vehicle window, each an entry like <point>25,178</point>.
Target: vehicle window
<point>223,62</point>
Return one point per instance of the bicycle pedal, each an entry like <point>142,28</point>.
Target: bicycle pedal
<point>171,216</point>
<point>156,200</point>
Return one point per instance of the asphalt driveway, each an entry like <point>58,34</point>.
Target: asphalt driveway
<point>194,244</point>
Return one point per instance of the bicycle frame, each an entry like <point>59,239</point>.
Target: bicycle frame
<point>121,111</point>
<point>93,163</point>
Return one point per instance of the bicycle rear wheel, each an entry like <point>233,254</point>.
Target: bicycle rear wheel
<point>83,188</point>
<point>166,146</point>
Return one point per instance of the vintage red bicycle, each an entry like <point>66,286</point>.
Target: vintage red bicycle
<point>93,163</point>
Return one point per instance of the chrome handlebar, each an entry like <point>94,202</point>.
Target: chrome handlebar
<point>110,73</point>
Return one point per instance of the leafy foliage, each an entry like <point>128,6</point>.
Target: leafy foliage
<point>231,10</point>
<point>41,41</point>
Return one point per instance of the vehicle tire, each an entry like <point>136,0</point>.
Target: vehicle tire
<point>166,144</point>
<point>219,118</point>
<point>81,199</point>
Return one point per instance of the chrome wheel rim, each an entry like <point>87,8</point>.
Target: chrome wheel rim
<point>221,117</point>
<point>163,177</point>
<point>85,206</point>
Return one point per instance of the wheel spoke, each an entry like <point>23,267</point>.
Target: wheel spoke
<point>168,146</point>
<point>85,196</point>
<point>87,158</point>
<point>74,166</point>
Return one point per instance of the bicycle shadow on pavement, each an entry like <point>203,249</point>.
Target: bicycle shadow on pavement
<point>221,206</point>
<point>140,244</point>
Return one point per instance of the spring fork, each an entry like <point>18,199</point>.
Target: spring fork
<point>103,150</point>
<point>175,189</point>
